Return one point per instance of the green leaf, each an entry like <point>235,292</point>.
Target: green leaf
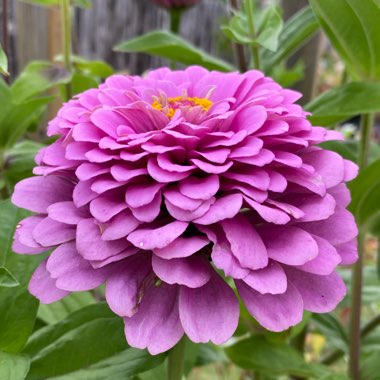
<point>170,46</point>
<point>19,161</point>
<point>13,367</point>
<point>296,32</point>
<point>343,102</point>
<point>48,3</point>
<point>16,122</point>
<point>269,28</point>
<point>362,186</point>
<point>237,29</point>
<point>353,28</point>
<point>347,149</point>
<point>7,279</point>
<point>96,68</point>
<point>330,326</point>
<point>371,367</point>
<point>82,82</point>
<point>258,354</point>
<point>85,337</point>
<point>36,78</point>
<point>127,363</point>
<point>18,308</point>
<point>57,311</point>
<point>3,62</point>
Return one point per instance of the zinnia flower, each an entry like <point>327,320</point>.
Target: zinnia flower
<point>167,186</point>
<point>169,4</point>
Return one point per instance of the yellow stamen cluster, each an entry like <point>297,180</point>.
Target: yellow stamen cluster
<point>176,102</point>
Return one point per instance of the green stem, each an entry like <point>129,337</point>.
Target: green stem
<point>357,272</point>
<point>66,41</point>
<point>249,6</point>
<point>176,360</point>
<point>175,19</point>
<point>175,25</point>
<point>238,48</point>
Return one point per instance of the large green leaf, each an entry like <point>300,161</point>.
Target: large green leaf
<point>343,102</point>
<point>259,354</point>
<point>170,46</point>
<point>353,28</point>
<point>18,119</point>
<point>7,279</point>
<point>364,187</point>
<point>13,367</point>
<point>121,366</point>
<point>297,31</point>
<point>18,308</point>
<point>85,337</point>
<point>19,161</point>
<point>55,312</point>
<point>36,78</point>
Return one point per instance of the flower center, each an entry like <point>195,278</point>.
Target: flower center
<point>170,105</point>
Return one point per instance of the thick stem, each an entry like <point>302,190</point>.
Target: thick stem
<point>238,48</point>
<point>249,6</point>
<point>176,360</point>
<point>66,41</point>
<point>357,273</point>
<point>175,19</point>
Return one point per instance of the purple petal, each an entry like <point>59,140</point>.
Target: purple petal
<point>125,285</point>
<point>200,188</point>
<point>71,271</point>
<point>148,239</point>
<point>49,232</point>
<point>339,228</point>
<point>291,245</point>
<point>246,243</point>
<point>43,287</point>
<point>182,247</point>
<point>209,313</point>
<point>105,207</point>
<point>223,208</point>
<point>156,325</point>
<point>274,312</point>
<point>348,252</point>
<point>120,226</point>
<point>38,193</point>
<point>320,294</point>
<point>326,261</point>
<point>90,244</point>
<point>67,212</point>
<point>141,195</point>
<point>193,271</point>
<point>271,279</point>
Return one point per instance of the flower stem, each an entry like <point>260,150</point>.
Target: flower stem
<point>238,48</point>
<point>249,6</point>
<point>176,360</point>
<point>66,41</point>
<point>175,19</point>
<point>367,121</point>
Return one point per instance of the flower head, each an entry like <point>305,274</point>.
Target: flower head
<point>170,4</point>
<point>163,187</point>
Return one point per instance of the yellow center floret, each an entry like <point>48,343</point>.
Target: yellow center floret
<point>170,105</point>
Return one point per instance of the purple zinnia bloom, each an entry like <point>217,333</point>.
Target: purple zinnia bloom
<point>160,186</point>
<point>169,4</point>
